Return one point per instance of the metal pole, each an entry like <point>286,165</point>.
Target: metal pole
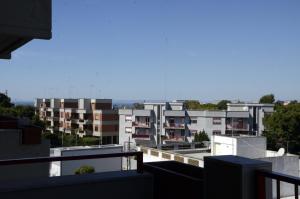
<point>62,137</point>
<point>287,142</point>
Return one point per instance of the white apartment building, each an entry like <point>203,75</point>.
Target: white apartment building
<point>86,117</point>
<point>256,112</point>
<point>169,122</point>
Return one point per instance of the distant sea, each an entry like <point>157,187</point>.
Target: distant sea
<point>25,103</point>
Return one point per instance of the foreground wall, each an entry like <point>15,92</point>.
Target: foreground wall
<point>112,185</point>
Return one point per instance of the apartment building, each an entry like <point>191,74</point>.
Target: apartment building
<point>169,122</point>
<point>251,116</point>
<point>86,117</point>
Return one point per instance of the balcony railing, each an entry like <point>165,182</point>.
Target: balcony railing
<point>141,124</point>
<point>175,138</point>
<point>242,127</point>
<point>141,136</point>
<point>174,125</point>
<point>138,155</point>
<point>261,183</point>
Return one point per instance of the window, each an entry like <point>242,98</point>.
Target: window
<point>182,133</point>
<point>194,121</point>
<point>128,130</point>
<point>96,128</point>
<point>217,132</point>
<point>128,118</point>
<point>217,120</point>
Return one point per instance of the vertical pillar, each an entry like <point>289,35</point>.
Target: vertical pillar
<point>234,177</point>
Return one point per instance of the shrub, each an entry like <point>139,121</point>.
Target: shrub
<point>84,170</point>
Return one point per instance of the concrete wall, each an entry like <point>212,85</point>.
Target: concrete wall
<point>11,147</point>
<point>288,165</point>
<point>112,185</point>
<point>100,165</point>
<point>250,147</point>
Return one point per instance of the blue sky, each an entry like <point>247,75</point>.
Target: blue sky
<point>162,49</point>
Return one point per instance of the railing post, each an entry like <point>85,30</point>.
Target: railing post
<point>140,164</point>
<point>261,186</point>
<point>296,192</point>
<point>278,189</point>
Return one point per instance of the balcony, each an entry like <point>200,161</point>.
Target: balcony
<point>75,120</point>
<point>81,120</point>
<point>141,124</point>
<point>174,125</point>
<point>141,136</point>
<point>222,177</point>
<point>237,127</point>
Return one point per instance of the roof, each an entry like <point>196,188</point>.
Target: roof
<point>250,104</point>
<point>22,21</point>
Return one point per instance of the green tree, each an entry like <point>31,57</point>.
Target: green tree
<point>196,105</point>
<point>5,101</point>
<point>191,104</point>
<point>267,99</point>
<point>138,106</point>
<point>283,128</point>
<point>85,170</point>
<point>222,105</point>
<point>201,137</point>
<point>37,122</point>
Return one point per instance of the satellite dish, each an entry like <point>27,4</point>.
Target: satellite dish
<point>281,152</point>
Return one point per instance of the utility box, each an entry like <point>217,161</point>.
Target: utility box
<point>233,177</point>
<point>21,21</point>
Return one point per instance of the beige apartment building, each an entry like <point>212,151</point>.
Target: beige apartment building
<point>86,117</point>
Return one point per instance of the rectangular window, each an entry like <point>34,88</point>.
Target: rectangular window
<point>217,132</point>
<point>194,121</point>
<point>128,130</point>
<point>128,118</point>
<point>217,120</point>
<point>96,128</point>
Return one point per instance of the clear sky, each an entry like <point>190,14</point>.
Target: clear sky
<point>162,49</point>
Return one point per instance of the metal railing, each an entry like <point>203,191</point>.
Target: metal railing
<point>279,177</point>
<point>138,155</point>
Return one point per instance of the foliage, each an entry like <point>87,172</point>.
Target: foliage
<point>19,111</point>
<point>222,105</point>
<point>201,137</point>
<point>55,139</point>
<point>267,99</point>
<point>85,170</point>
<point>69,140</point>
<point>284,126</point>
<point>88,141</point>
<point>5,101</point>
<point>195,105</point>
<point>138,106</point>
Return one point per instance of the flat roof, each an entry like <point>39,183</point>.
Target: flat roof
<point>87,147</point>
<point>250,104</point>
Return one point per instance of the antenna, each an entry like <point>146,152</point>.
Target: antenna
<point>6,92</point>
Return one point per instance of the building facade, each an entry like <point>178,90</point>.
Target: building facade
<point>19,139</point>
<point>253,122</point>
<point>85,117</point>
<point>169,122</point>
